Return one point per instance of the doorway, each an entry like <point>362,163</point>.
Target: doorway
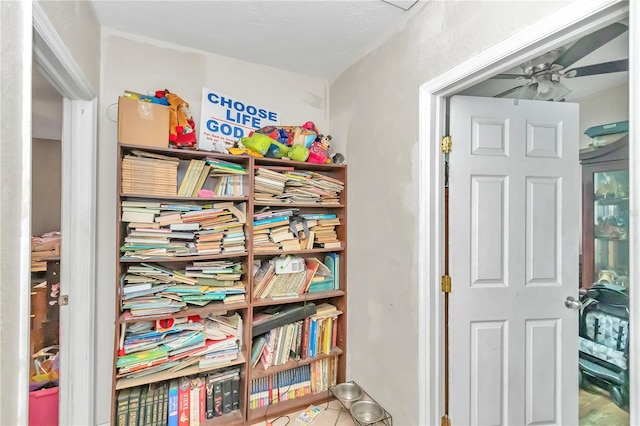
<point>556,31</point>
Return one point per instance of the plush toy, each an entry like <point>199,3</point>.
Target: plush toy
<point>319,150</point>
<point>182,128</point>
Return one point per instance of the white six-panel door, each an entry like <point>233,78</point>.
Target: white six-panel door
<point>514,221</point>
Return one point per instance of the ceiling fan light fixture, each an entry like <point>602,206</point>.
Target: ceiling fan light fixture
<point>548,89</point>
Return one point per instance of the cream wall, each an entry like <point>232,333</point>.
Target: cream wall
<point>608,106</point>
<point>79,28</point>
<point>144,65</point>
<point>374,108</point>
<point>46,191</point>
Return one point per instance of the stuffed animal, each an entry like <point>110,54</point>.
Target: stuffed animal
<point>182,128</point>
<point>319,150</point>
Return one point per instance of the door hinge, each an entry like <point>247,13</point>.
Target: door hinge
<point>446,144</point>
<point>63,300</point>
<point>445,421</point>
<point>446,284</point>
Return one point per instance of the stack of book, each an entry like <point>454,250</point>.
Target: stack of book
<point>146,173</point>
<point>171,345</point>
<point>164,230</point>
<point>324,230</point>
<point>150,289</point>
<point>194,178</point>
<point>229,178</point>
<point>296,186</point>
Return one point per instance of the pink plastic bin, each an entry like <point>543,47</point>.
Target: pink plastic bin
<point>43,407</point>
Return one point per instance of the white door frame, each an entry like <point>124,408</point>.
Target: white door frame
<point>567,24</point>
<point>78,220</point>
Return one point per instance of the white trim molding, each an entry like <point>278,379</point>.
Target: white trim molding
<point>78,220</point>
<point>634,191</point>
<point>558,29</point>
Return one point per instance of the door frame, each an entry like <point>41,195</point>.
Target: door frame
<point>568,24</point>
<point>78,219</point>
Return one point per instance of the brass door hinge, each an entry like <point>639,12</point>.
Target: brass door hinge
<point>445,421</point>
<point>446,144</point>
<point>446,284</point>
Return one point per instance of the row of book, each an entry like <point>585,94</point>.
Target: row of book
<point>187,401</point>
<point>157,229</point>
<point>307,379</point>
<point>147,173</point>
<point>314,276</point>
<point>289,230</point>
<point>314,335</point>
<point>228,179</point>
<point>173,344</point>
<point>152,289</point>
<point>287,185</point>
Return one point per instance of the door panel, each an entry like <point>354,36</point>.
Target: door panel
<point>514,197</point>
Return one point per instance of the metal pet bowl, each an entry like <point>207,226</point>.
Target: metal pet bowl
<point>367,411</point>
<point>347,392</point>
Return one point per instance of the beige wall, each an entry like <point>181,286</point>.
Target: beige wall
<point>79,28</point>
<point>46,175</point>
<point>609,106</point>
<point>374,108</point>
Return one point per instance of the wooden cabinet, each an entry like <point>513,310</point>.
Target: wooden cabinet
<point>605,214</point>
<point>152,191</point>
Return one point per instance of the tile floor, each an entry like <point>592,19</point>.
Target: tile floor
<point>332,415</point>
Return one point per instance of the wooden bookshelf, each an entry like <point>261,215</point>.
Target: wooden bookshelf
<point>250,306</point>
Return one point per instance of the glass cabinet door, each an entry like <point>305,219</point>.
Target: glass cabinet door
<point>611,227</point>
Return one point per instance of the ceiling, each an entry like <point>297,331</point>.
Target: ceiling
<point>617,48</point>
<point>313,37</point>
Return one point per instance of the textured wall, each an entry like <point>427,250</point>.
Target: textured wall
<point>609,106</point>
<point>79,28</point>
<point>374,109</point>
<point>46,190</point>
<point>142,66</point>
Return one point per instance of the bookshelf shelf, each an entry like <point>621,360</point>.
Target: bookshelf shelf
<point>201,200</point>
<point>168,375</point>
<point>301,252</point>
<point>259,371</point>
<point>327,369</point>
<point>185,258</point>
<point>302,298</point>
<point>298,205</point>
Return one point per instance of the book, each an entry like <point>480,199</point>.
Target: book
<point>227,401</point>
<point>209,404</point>
<point>332,261</point>
<point>134,406</point>
<point>235,392</point>
<point>194,401</point>
<point>172,411</point>
<point>122,410</point>
<point>279,316</point>
<point>184,390</point>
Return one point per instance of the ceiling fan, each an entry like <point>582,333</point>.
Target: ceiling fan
<point>542,75</point>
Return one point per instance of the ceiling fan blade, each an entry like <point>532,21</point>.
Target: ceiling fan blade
<point>520,92</point>
<point>508,76</point>
<point>589,43</point>
<point>603,68</point>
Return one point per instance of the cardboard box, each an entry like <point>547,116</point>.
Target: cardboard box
<point>142,123</point>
